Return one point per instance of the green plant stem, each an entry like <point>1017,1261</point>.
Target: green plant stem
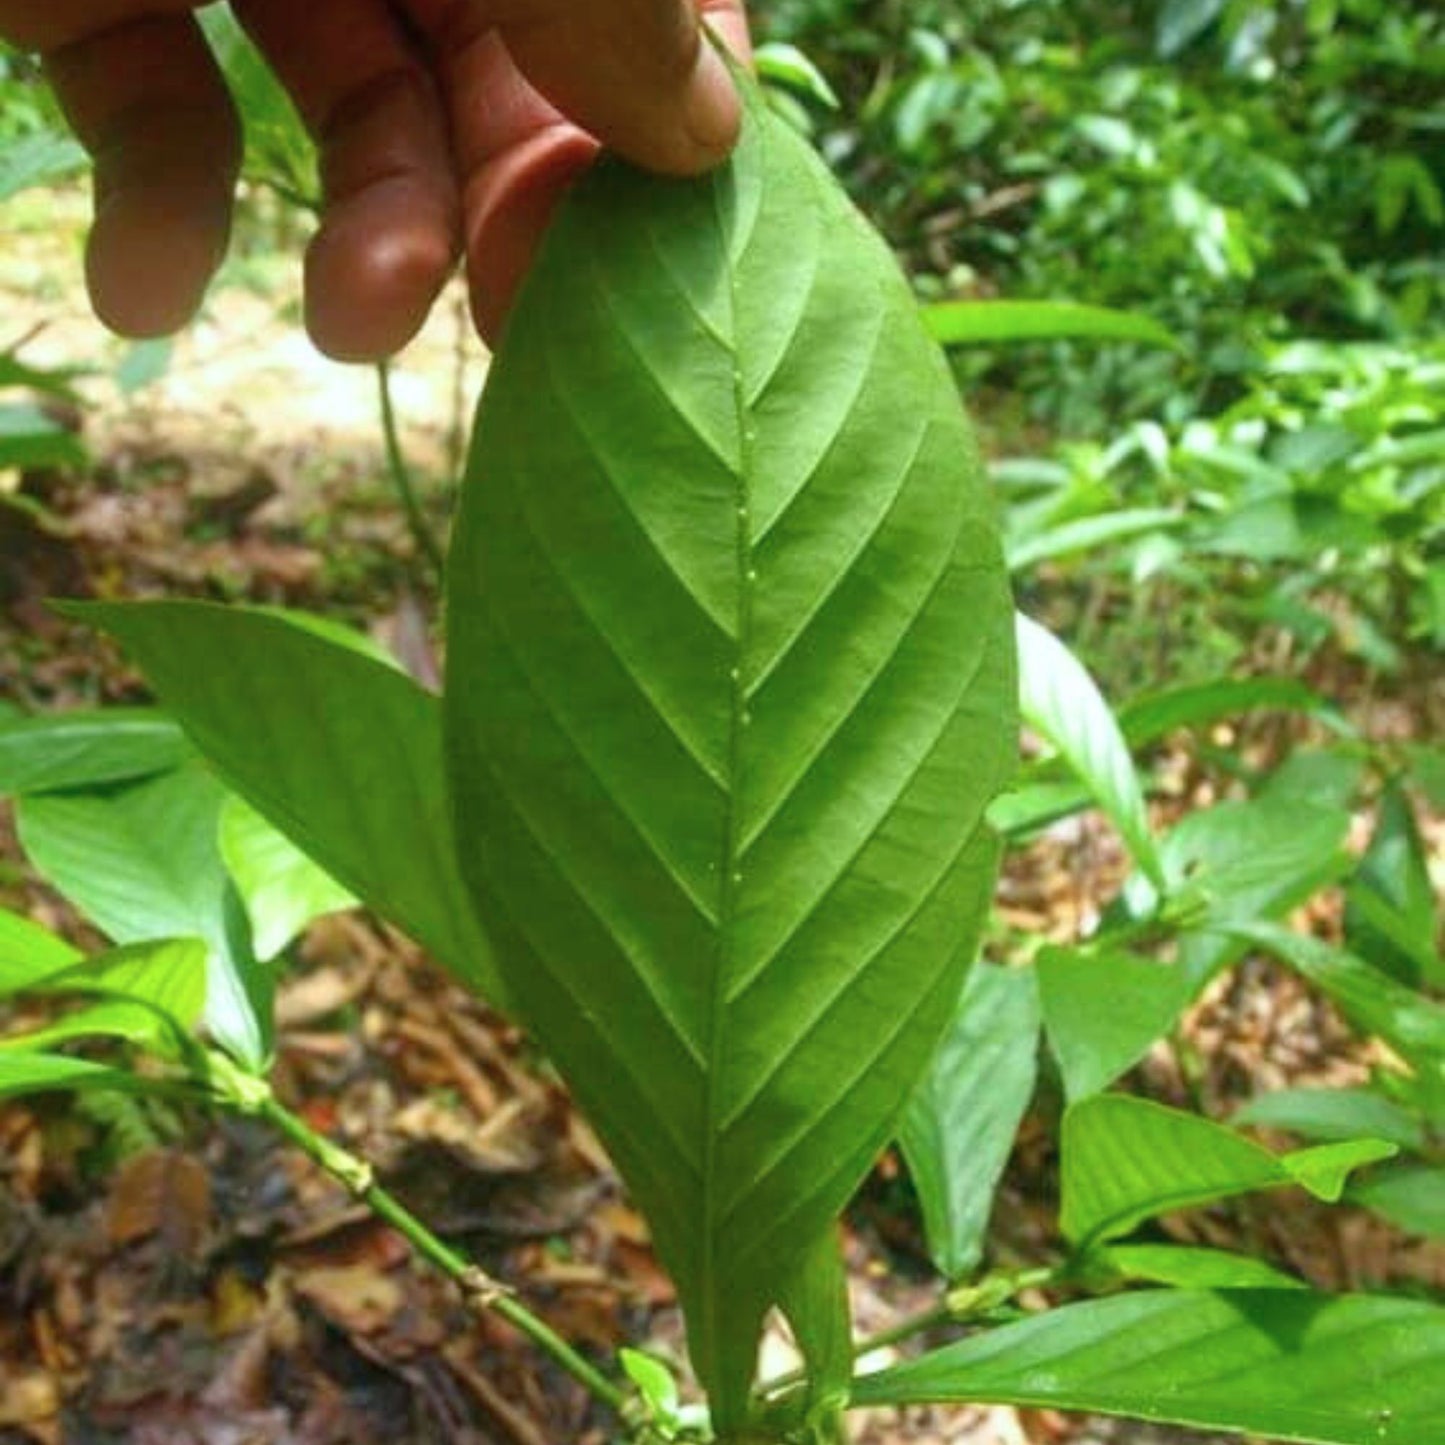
<point>959,1306</point>
<point>421,531</point>
<point>480,1289</point>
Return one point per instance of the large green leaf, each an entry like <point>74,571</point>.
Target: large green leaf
<point>83,749</point>
<point>730,685</point>
<point>1286,1364</point>
<point>1103,1011</point>
<point>1063,703</point>
<point>340,752</point>
<point>960,1125</point>
<point>142,861</point>
<point>1126,1160</point>
<point>993,323</point>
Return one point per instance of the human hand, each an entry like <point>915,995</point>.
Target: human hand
<point>445,127</point>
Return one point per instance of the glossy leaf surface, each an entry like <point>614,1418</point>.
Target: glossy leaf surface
<point>730,686</point>
<point>1283,1364</point>
<point>337,750</point>
<point>960,1125</point>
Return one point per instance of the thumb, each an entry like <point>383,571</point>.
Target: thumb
<point>640,75</point>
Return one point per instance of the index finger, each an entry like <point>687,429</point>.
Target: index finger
<point>145,98</point>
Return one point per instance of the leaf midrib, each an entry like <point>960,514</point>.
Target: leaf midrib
<point>730,880</point>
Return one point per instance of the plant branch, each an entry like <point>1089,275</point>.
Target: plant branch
<point>421,530</point>
<point>480,1290</point>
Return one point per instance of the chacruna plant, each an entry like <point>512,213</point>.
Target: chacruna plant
<point>730,687</point>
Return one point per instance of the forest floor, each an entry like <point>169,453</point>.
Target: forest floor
<point>171,1279</point>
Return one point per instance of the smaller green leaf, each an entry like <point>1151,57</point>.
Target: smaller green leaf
<point>1181,22</point>
<point>142,860</point>
<point>1243,862</point>
<point>653,1381</point>
<point>1325,1169</point>
<point>30,437</point>
<point>1061,701</point>
<point>1390,917</point>
<point>1087,534</point>
<point>1331,777</point>
<point>1103,1011</point>
<point>1426,765</point>
<point>1410,1196</point>
<point>1126,1160</point>
<point>143,364</point>
<point>960,1125</point>
<point>1334,1114</point>
<point>39,160</point>
<point>1286,1364</point>
<point>1187,1267</point>
<point>1145,720</point>
<point>994,323</point>
<point>52,381</point>
<point>26,1073</point>
<point>283,890</point>
<point>779,63</point>
<point>113,1018</point>
<point>68,750</point>
<point>168,976</point>
<point>152,996</point>
<point>1026,809</point>
<point>1408,1021</point>
<point>29,954</point>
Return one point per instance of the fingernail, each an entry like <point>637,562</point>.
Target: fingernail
<point>712,113</point>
